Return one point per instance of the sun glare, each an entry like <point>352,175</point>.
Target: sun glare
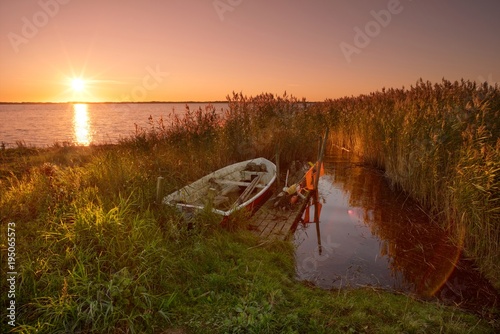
<point>77,84</point>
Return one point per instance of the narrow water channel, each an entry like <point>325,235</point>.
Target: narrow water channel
<point>371,235</point>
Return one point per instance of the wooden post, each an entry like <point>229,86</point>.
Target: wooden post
<point>159,189</point>
<point>319,163</point>
<point>278,182</point>
<point>321,153</point>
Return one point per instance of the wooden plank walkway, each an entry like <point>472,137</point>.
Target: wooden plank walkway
<point>277,223</point>
<point>271,223</point>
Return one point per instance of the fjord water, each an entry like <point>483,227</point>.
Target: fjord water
<point>43,124</point>
<point>372,235</point>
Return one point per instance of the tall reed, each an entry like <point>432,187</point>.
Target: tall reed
<point>441,144</point>
<point>262,125</point>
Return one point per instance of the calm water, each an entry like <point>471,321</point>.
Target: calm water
<point>44,124</point>
<point>370,235</point>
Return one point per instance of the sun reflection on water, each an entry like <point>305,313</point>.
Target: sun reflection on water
<point>81,123</point>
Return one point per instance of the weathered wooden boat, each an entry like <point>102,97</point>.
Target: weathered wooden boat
<point>241,185</point>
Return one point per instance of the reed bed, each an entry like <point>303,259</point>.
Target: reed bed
<point>440,143</point>
<point>95,254</point>
<point>263,125</point>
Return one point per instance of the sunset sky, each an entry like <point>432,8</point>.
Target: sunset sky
<point>202,50</point>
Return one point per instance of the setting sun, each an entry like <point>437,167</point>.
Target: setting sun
<point>78,84</point>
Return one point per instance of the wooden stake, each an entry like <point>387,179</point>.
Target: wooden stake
<point>278,183</point>
<point>319,163</point>
<point>159,189</point>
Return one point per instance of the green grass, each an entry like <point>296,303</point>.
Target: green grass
<point>95,254</point>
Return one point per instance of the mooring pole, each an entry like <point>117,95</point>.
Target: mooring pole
<point>159,189</point>
<point>278,183</point>
<point>319,164</point>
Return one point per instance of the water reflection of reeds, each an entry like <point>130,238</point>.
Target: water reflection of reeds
<point>415,246</point>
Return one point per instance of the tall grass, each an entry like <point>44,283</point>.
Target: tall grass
<point>252,126</point>
<point>441,144</point>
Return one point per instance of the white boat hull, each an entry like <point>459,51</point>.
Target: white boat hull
<point>249,181</point>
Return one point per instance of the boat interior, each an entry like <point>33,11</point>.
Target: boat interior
<point>225,190</point>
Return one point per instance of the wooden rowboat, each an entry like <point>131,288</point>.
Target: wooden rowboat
<point>241,185</point>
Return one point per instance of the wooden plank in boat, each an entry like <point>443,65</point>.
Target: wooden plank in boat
<point>248,191</point>
<point>236,183</point>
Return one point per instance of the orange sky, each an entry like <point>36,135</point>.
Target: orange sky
<point>178,50</point>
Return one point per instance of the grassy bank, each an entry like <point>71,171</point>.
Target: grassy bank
<point>441,144</point>
<point>95,254</point>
